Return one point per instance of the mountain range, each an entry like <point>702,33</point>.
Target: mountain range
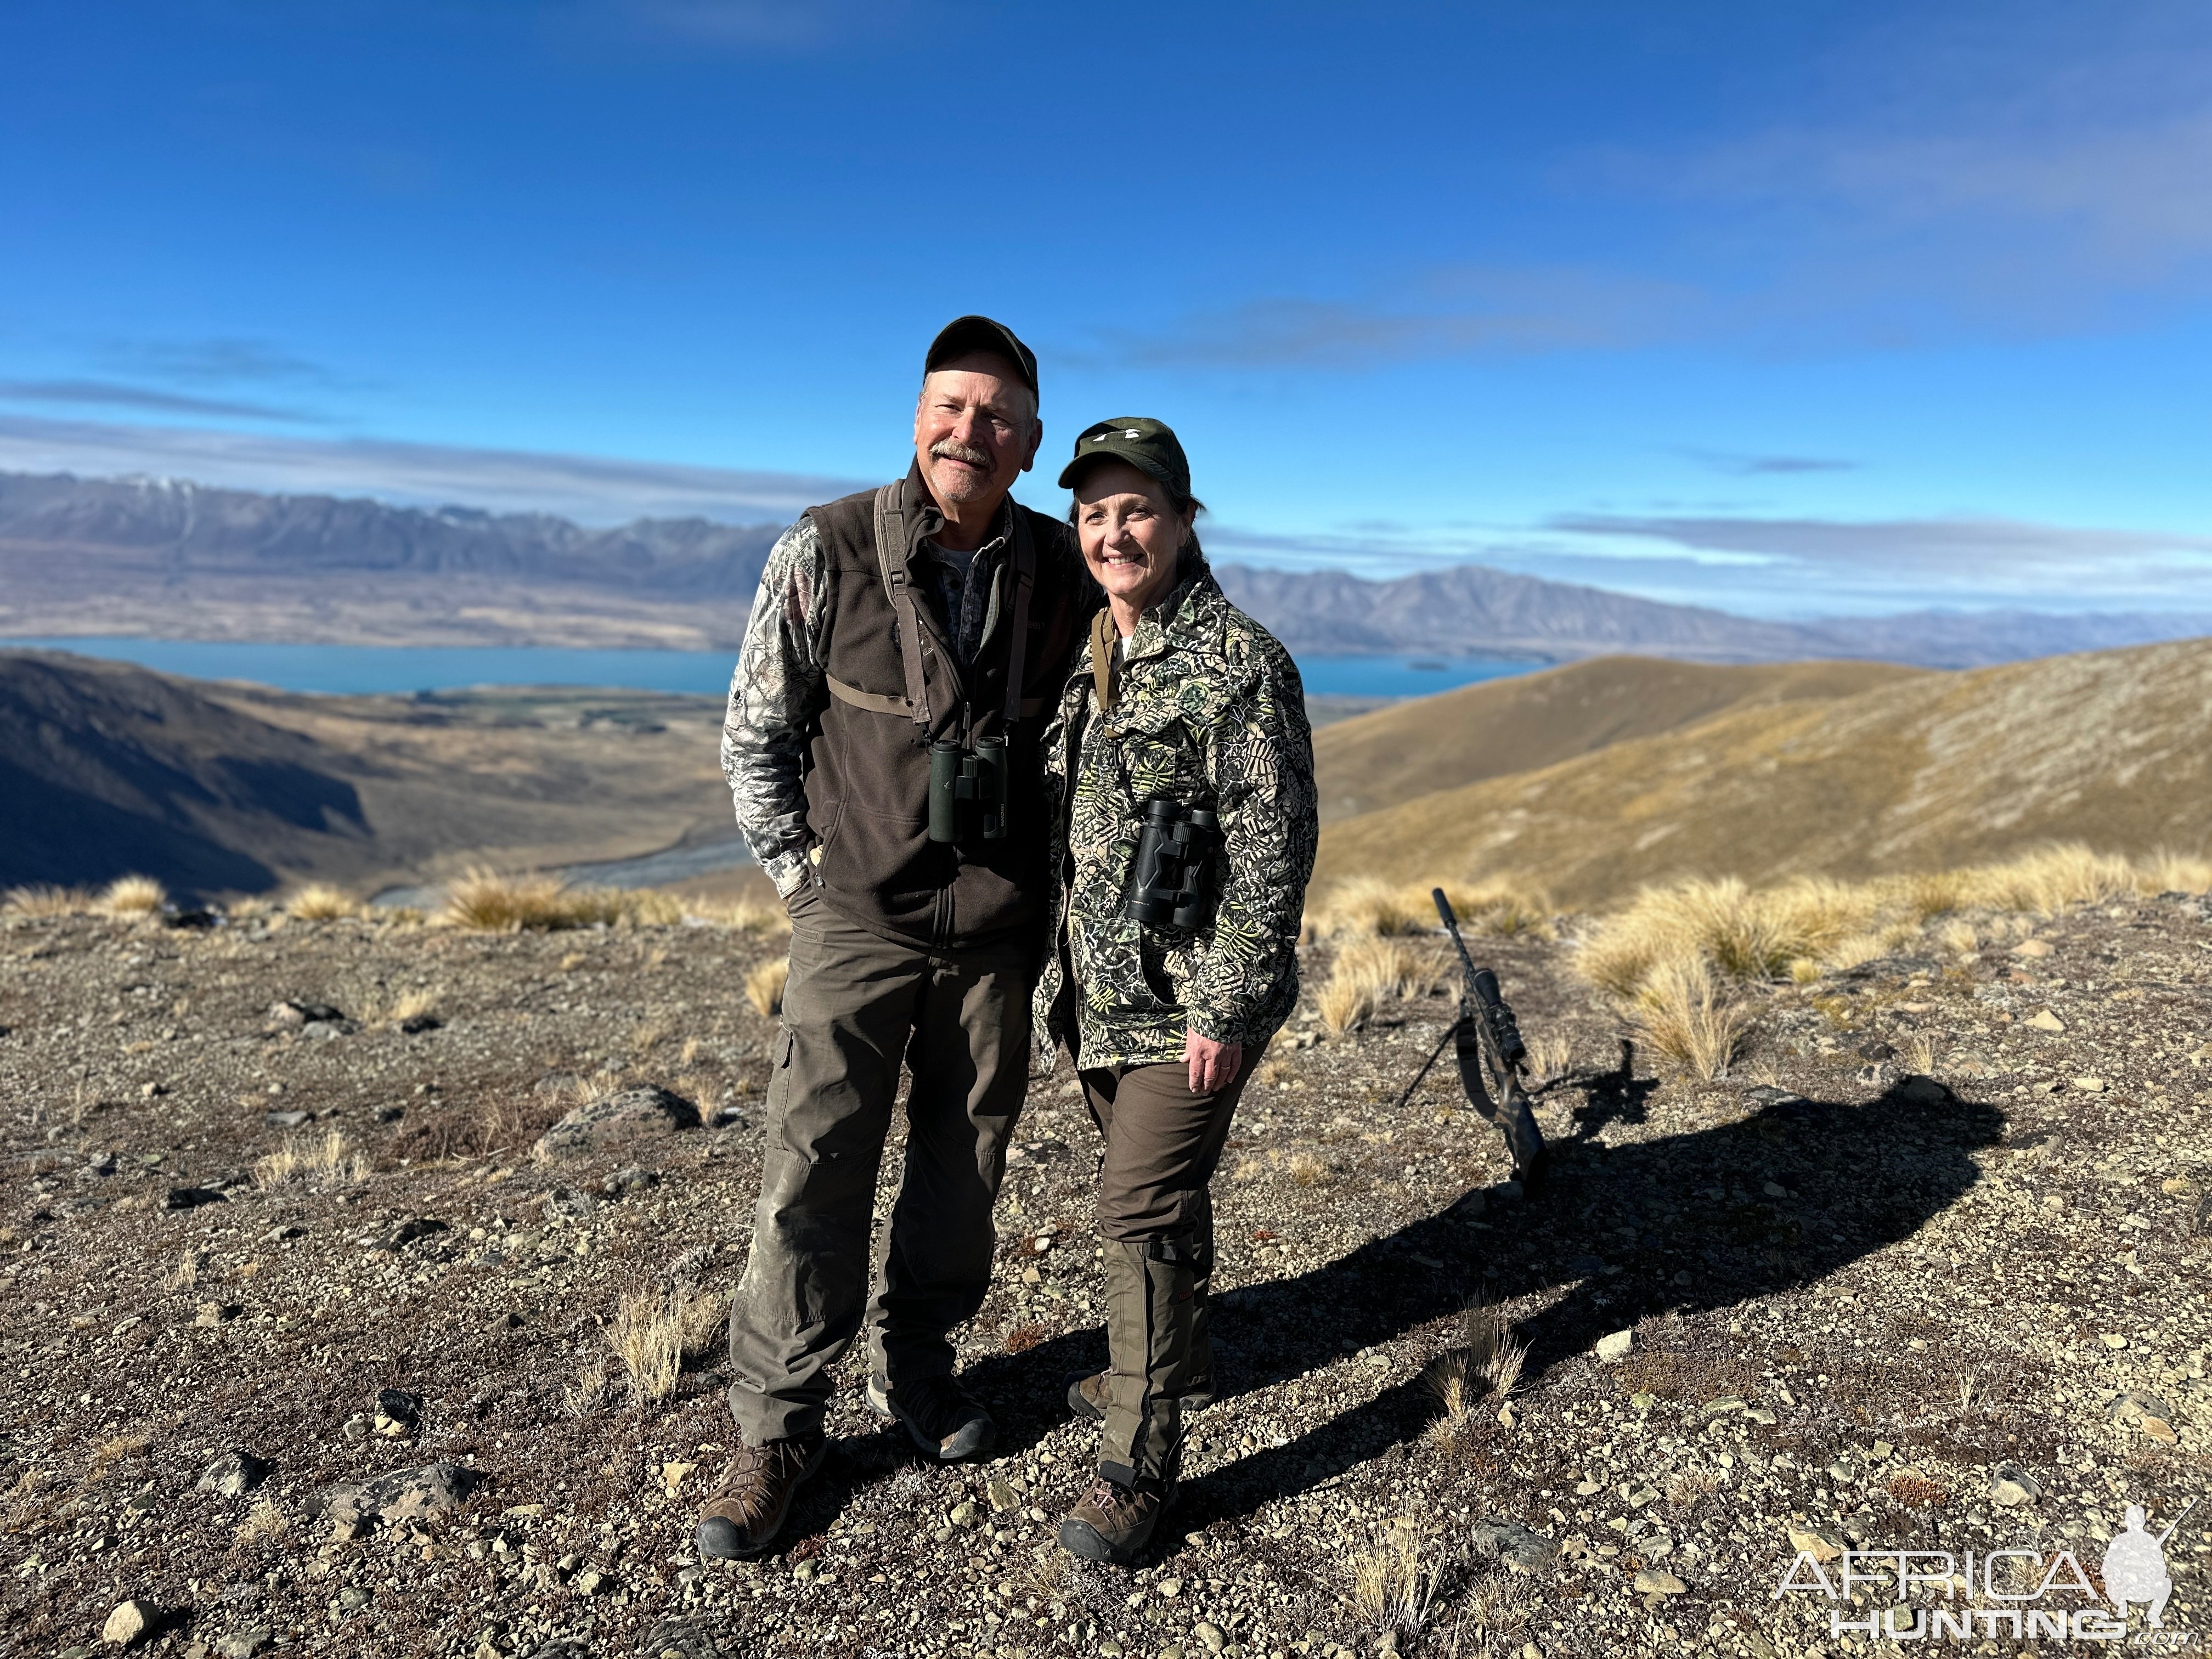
<point>169,558</point>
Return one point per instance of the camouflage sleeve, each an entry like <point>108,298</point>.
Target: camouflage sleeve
<point>775,694</point>
<point>1259,761</point>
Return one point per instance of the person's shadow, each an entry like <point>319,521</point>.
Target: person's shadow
<point>1684,1224</point>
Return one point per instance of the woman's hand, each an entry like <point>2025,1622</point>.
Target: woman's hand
<point>1212,1065</point>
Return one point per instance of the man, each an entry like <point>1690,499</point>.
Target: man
<point>881,748</point>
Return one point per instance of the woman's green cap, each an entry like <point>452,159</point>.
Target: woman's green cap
<point>1149,445</point>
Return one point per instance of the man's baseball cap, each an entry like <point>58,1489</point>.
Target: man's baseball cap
<point>965,334</point>
<point>1149,445</point>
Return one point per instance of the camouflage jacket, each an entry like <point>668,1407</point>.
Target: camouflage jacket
<point>1208,709</point>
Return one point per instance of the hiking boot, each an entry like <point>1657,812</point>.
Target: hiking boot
<point>747,1510</point>
<point>1086,1394</point>
<point>1114,1522</point>
<point>939,1416</point>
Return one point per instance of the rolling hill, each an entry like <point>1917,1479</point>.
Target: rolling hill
<point>1524,724</point>
<point>106,768</point>
<point>2113,748</point>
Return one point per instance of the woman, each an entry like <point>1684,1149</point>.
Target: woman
<point>1184,729</point>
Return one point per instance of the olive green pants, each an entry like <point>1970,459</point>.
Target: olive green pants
<point>1156,1219</point>
<point>856,1007</point>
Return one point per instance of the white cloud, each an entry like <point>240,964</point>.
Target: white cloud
<point>590,489</point>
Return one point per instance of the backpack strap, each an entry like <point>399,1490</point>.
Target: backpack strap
<point>898,586</point>
<point>1024,584</point>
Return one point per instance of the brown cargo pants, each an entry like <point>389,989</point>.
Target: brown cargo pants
<point>1156,1220</point>
<point>856,1006</point>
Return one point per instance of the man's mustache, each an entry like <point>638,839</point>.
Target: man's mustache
<point>950,449</point>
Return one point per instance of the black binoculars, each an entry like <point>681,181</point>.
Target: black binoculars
<point>1172,885</point>
<point>968,791</point>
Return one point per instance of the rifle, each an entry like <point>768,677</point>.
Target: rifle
<point>1486,1040</point>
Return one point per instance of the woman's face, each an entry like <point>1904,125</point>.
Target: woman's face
<point>1129,533</point>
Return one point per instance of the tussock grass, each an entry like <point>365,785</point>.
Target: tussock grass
<point>1814,925</point>
<point>330,1157</point>
<point>654,1331</point>
<point>1682,1014</point>
<point>264,1521</point>
<point>1370,968</point>
<point>764,988</point>
<point>742,917</point>
<point>1370,907</point>
<point>318,902</point>
<point>1344,1005</point>
<point>46,900</point>
<point>1308,1169</point>
<point>1486,1365</point>
<point>485,901</point>
<point>111,1452</point>
<point>131,896</point>
<point>1394,1582</point>
<point>1551,1057</point>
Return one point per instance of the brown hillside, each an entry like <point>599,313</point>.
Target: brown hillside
<point>2112,748</point>
<point>1535,721</point>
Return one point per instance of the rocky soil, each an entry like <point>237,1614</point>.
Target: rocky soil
<point>1926,1273</point>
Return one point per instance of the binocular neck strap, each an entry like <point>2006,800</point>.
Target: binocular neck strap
<point>898,586</point>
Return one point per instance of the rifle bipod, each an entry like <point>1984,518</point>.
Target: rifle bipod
<point>1486,1040</point>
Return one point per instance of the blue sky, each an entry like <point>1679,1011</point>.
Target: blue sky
<point>1794,309</point>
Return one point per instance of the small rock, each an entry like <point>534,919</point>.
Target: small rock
<point>1170,1588</point>
<point>629,1178</point>
<point>1643,1400</point>
<point>401,1495</point>
<point>964,1513</point>
<point>2044,1020</point>
<point>216,1313</point>
<point>671,1476</point>
<point>421,1226</point>
<point>2136,1405</point>
<point>278,1235</point>
<point>190,1197</point>
<point>2090,1086</point>
<point>1616,1345</point>
<point>396,1412</point>
<point>1210,1638</point>
<point>390,1114</point>
<point>283,1119</point>
<point>149,1091</point>
<point>1652,1582</point>
<point>1003,1495</point>
<point>1821,1543</point>
<point>591,1581</point>
<point>1516,1546</point>
<point>633,1115</point>
<point>234,1475</point>
<point>297,1014</point>
<point>2011,1485</point>
<point>131,1621</point>
<point>2115,1343</point>
<point>415,1025</point>
<point>2032,948</point>
<point>243,1644</point>
<point>1922,1091</point>
<point>566,1204</point>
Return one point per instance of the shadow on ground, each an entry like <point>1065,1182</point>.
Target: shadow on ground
<point>1684,1219</point>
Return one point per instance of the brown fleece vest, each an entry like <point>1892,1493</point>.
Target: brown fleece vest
<point>867,780</point>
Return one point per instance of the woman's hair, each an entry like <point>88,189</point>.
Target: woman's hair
<point>1179,504</point>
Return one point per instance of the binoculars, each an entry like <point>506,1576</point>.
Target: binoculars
<point>968,791</point>
<point>1172,885</point>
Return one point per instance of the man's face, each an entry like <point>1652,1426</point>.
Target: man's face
<point>976,430</point>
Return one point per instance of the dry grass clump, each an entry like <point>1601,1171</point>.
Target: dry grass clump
<point>1370,907</point>
<point>111,1452</point>
<point>318,902</point>
<point>487,901</point>
<point>1682,1014</point>
<point>742,917</point>
<point>1551,1057</point>
<point>654,1331</point>
<point>330,1157</point>
<point>1486,1365</point>
<point>1309,1170</point>
<point>46,900</point>
<point>1343,1005</point>
<point>264,1521</point>
<point>764,987</point>
<point>131,896</point>
<point>1370,968</point>
<point>1394,1584</point>
<point>1814,925</point>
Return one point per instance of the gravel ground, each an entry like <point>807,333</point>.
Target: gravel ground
<point>1924,1274</point>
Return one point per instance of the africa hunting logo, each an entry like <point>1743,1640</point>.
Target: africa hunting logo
<point>1998,1593</point>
